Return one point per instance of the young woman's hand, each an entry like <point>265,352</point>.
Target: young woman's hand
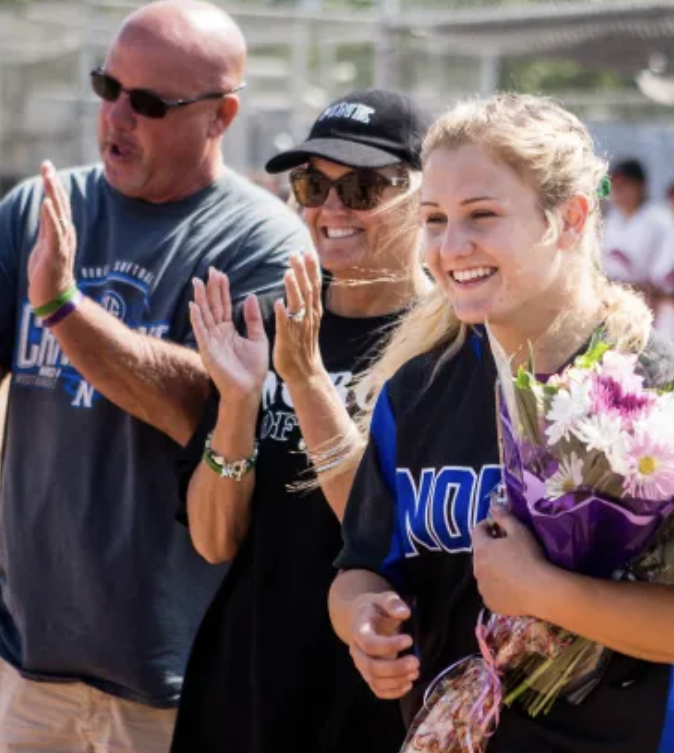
<point>238,365</point>
<point>376,642</point>
<point>508,569</point>
<point>296,350</point>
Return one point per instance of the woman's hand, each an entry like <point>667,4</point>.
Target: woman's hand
<point>376,641</point>
<point>508,569</point>
<point>296,351</point>
<point>238,365</point>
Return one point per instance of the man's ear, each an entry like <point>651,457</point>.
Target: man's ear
<point>225,114</point>
<point>575,213</point>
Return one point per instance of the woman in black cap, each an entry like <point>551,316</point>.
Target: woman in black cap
<point>267,674</point>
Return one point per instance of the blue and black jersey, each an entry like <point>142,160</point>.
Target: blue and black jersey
<point>425,480</point>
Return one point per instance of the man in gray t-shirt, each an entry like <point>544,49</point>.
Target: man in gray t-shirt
<point>100,590</point>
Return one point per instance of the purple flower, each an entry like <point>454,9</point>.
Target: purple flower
<point>610,396</point>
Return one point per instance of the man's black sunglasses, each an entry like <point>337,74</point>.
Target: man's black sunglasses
<point>145,103</point>
<point>359,190</point>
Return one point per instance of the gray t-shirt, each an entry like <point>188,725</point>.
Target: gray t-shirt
<point>98,582</point>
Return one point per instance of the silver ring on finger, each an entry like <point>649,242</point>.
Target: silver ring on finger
<point>296,316</point>
<point>64,223</point>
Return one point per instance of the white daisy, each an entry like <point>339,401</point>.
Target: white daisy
<point>568,478</point>
<point>567,408</point>
<point>617,456</point>
<point>599,432</point>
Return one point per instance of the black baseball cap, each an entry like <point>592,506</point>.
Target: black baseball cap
<point>368,128</point>
<point>630,169</point>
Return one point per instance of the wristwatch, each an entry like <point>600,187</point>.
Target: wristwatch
<point>235,469</point>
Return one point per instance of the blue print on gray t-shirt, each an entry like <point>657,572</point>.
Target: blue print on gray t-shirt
<point>98,582</point>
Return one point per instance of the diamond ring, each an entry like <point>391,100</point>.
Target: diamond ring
<point>296,316</point>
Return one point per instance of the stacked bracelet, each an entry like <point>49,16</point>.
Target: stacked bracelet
<point>57,310</point>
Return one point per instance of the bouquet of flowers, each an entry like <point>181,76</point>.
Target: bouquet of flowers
<point>588,464</point>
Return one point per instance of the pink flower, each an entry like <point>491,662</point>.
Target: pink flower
<point>649,467</point>
<point>610,396</point>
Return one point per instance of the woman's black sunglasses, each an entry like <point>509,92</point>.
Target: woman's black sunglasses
<point>145,103</point>
<point>359,190</point>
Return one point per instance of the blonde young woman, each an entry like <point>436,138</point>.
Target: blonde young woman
<point>267,674</point>
<point>510,209</point>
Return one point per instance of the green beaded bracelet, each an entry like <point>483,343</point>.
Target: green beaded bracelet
<point>235,470</point>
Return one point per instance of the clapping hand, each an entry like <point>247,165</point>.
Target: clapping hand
<point>296,349</point>
<point>238,365</point>
<point>51,262</point>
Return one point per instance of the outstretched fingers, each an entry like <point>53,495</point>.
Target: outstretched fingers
<point>56,194</point>
<point>294,297</point>
<point>202,302</point>
<point>53,232</point>
<point>55,191</point>
<point>253,316</point>
<point>46,229</point>
<point>313,271</point>
<point>302,280</point>
<point>219,298</point>
<point>225,296</point>
<point>199,327</point>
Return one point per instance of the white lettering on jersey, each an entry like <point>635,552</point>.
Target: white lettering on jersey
<point>278,417</point>
<point>439,511</point>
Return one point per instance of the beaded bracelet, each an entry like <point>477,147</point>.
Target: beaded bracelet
<point>236,469</point>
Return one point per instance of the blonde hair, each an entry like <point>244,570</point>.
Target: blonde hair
<point>398,234</point>
<point>551,150</point>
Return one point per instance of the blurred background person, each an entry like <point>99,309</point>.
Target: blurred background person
<point>271,183</point>
<point>670,198</point>
<point>639,242</point>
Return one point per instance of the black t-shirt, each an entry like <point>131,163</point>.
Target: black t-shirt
<point>267,673</point>
<point>409,518</point>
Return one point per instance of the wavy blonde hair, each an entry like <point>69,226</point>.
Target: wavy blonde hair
<point>551,150</point>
